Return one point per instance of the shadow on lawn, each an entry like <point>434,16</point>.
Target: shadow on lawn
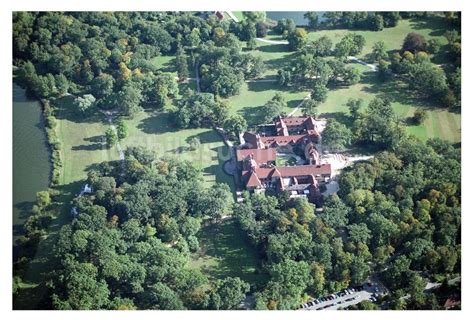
<point>274,48</point>
<point>394,90</point>
<point>222,154</point>
<point>252,114</point>
<point>168,66</point>
<point>236,257</point>
<point>279,63</point>
<point>157,123</point>
<point>340,117</point>
<point>209,136</point>
<point>437,24</point>
<point>65,110</point>
<point>98,144</point>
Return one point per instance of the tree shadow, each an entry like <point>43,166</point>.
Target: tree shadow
<point>179,150</point>
<point>209,136</point>
<point>395,90</point>
<point>261,86</point>
<point>23,299</point>
<point>340,117</point>
<point>25,208</point>
<point>235,255</point>
<point>157,123</point>
<point>169,66</point>
<point>267,86</point>
<point>65,110</point>
<point>223,154</point>
<point>98,144</point>
<point>252,114</point>
<point>274,48</point>
<point>280,63</point>
<point>294,103</point>
<point>437,24</point>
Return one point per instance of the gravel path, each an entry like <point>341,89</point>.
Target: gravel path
<point>372,67</point>
<point>299,105</point>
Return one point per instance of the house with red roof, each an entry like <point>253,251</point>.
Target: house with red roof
<point>257,159</point>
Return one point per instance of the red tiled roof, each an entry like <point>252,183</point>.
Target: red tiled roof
<point>283,140</point>
<point>296,121</point>
<point>452,302</point>
<point>253,180</point>
<point>259,155</point>
<point>294,171</point>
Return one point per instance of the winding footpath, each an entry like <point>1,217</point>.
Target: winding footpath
<point>372,67</point>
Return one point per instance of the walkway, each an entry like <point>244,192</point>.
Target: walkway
<point>272,41</point>
<point>198,81</point>
<point>372,67</point>
<point>232,16</point>
<point>261,80</point>
<point>299,105</point>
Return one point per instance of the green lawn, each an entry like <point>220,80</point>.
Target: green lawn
<point>285,160</point>
<point>275,57</point>
<point>155,131</point>
<point>434,27</point>
<point>254,95</point>
<point>82,141</point>
<point>226,252</point>
<point>238,14</point>
<point>441,123</point>
<point>164,63</point>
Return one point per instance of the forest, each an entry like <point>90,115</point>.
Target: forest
<point>129,244</point>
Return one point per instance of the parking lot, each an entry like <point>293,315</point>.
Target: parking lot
<point>345,298</point>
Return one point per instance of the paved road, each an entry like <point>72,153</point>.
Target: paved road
<point>351,299</point>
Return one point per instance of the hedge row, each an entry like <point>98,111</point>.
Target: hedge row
<point>51,124</point>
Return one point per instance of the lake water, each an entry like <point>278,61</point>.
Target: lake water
<point>297,16</point>
<point>31,166</point>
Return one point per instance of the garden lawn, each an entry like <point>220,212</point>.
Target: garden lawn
<point>164,63</point>
<point>441,123</point>
<point>254,95</point>
<point>432,27</point>
<point>226,252</point>
<point>83,142</point>
<point>155,131</point>
<point>275,57</point>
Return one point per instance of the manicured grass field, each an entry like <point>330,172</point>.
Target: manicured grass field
<point>254,95</point>
<point>441,123</point>
<point>238,14</point>
<point>155,131</point>
<point>226,252</point>
<point>434,27</point>
<point>275,57</point>
<point>83,143</point>
<point>164,63</point>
